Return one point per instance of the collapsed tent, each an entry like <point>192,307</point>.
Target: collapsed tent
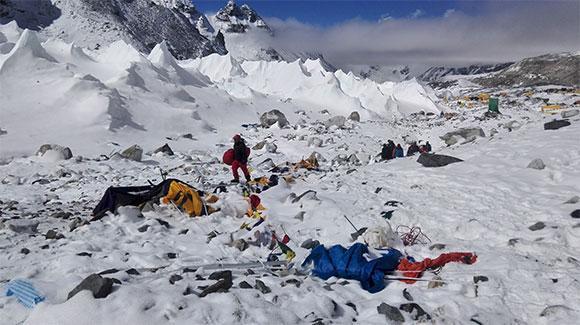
<point>188,199</point>
<point>351,264</point>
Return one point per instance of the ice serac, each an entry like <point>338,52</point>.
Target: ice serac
<point>27,48</point>
<point>162,58</point>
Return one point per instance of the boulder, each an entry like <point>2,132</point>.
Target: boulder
<point>135,153</point>
<point>165,149</point>
<point>575,214</point>
<point>570,113</point>
<point>556,124</point>
<point>537,226</point>
<point>317,156</point>
<point>262,287</point>
<point>354,116</point>
<point>337,121</point>
<point>99,286</point>
<point>353,159</point>
<point>468,134</point>
<point>55,151</point>
<point>436,160</point>
<point>272,117</point>
<point>310,244</point>
<point>22,226</point>
<point>392,313</point>
<point>260,145</point>
<point>537,164</point>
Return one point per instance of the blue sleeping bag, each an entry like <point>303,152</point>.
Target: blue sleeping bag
<point>351,264</point>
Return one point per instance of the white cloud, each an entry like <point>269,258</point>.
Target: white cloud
<point>385,17</point>
<point>499,33</point>
<point>417,13</point>
<point>448,13</point>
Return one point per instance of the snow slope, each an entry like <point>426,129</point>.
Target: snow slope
<point>117,91</point>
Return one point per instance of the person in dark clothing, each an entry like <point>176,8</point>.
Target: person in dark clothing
<point>428,146</point>
<point>240,159</point>
<point>399,151</point>
<point>384,152</point>
<point>391,149</point>
<point>413,149</point>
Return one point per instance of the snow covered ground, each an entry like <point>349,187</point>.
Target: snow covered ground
<point>98,103</point>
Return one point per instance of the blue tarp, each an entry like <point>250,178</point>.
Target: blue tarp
<point>25,293</point>
<point>351,264</point>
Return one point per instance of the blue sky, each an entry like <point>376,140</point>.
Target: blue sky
<point>327,13</point>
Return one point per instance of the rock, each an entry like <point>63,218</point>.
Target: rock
<point>77,222</point>
<point>143,228</point>
<point>171,255</point>
<point>392,313</point>
<point>570,113</point>
<point>308,195</point>
<point>22,226</point>
<point>337,121</point>
<point>61,215</point>
<point>407,295</point>
<point>188,136</point>
<point>263,288</point>
<point>573,200</point>
<point>353,159</point>
<point>163,223</point>
<point>554,309</point>
<point>226,274</point>
<point>437,247</point>
<point>436,282</point>
<point>165,149</point>
<point>240,244</point>
<point>272,117</point>
<point>315,142</point>
<point>132,272</point>
<point>537,164</point>
<point>55,151</point>
<point>52,234</point>
<point>537,226</point>
<point>340,159</point>
<point>267,164</point>
<point>300,215</point>
<point>271,147</point>
<point>222,285</point>
<point>99,286</point>
<point>417,313</point>
<point>317,156</point>
<point>450,138</point>
<point>174,278</point>
<point>259,145</point>
<point>25,251</point>
<point>310,244</point>
<point>513,241</point>
<point>244,285</point>
<point>436,160</point>
<point>556,124</point>
<point>109,271</point>
<point>134,153</point>
<point>354,116</point>
<point>575,214</point>
<point>480,278</point>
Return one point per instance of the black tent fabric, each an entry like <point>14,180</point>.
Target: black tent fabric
<point>115,197</point>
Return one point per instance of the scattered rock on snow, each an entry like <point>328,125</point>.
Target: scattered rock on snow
<point>22,226</point>
<point>271,147</point>
<point>575,214</point>
<point>436,160</point>
<point>134,153</point>
<point>56,151</point>
<point>52,234</point>
<point>337,121</point>
<point>272,117</point>
<point>300,215</point>
<point>222,285</point>
<point>417,313</point>
<point>556,124</point>
<point>174,278</point>
<point>537,164</point>
<point>165,149</point>
<point>25,251</point>
<point>570,113</point>
<point>392,313</point>
<point>99,286</point>
<point>244,285</point>
<point>537,226</point>
<point>77,222</point>
<point>354,116</point>
<point>309,243</point>
<point>262,287</point>
<point>451,138</point>
<point>480,278</point>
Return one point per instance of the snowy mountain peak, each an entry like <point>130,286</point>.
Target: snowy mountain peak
<point>236,19</point>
